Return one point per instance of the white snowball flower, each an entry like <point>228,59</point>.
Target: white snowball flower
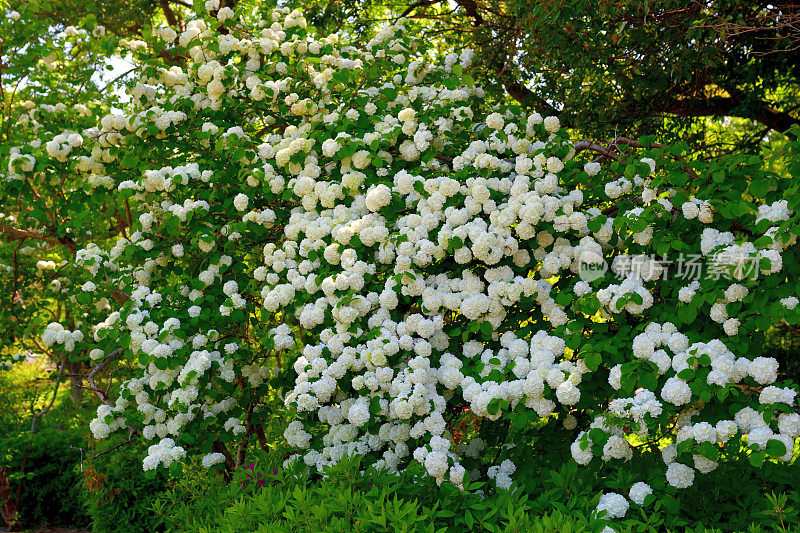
<point>615,505</point>
<point>240,202</point>
<point>495,121</point>
<point>680,476</point>
<point>212,459</point>
<point>378,197</point>
<point>639,491</point>
<point>552,124</point>
<point>224,14</point>
<point>592,168</point>
<point>676,391</point>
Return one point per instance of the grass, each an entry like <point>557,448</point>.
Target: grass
<point>28,388</point>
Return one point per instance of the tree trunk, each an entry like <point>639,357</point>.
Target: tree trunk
<point>75,381</point>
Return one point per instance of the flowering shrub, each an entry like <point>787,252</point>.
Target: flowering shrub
<point>363,227</point>
<point>48,211</point>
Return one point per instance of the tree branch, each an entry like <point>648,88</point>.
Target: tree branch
<point>90,378</point>
<point>612,150</point>
<point>16,233</point>
<point>172,20</point>
<point>725,106</point>
<point>230,464</point>
<point>38,415</point>
<point>415,5</point>
<point>582,145</point>
<point>472,10</point>
<point>92,456</point>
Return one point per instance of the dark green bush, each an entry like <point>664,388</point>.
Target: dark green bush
<point>119,495</point>
<point>265,497</point>
<point>44,477</point>
<point>561,497</point>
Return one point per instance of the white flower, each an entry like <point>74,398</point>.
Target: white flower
<point>789,424</point>
<point>552,124</point>
<point>690,210</point>
<point>378,197</point>
<point>615,505</point>
<point>495,121</point>
<point>407,115</point>
<point>361,159</point>
<point>764,370</point>
<point>639,491</point>
<point>212,459</point>
<point>568,394</point>
<point>240,202</point>
<point>581,456</point>
<point>592,168</point>
<point>75,140</point>
<point>676,391</point>
<point>330,147</point>
<point>358,415</point>
<point>680,476</point>
<point>224,14</point>
<point>731,326</point>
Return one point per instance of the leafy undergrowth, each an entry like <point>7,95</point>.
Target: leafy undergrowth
<point>266,497</point>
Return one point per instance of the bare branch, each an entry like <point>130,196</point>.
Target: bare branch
<point>90,378</point>
<point>582,145</point>
<point>415,5</point>
<point>93,456</point>
<point>16,233</point>
<point>38,415</point>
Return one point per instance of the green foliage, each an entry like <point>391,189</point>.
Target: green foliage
<point>349,501</point>
<point>53,482</point>
<point>559,497</point>
<point>43,474</point>
<point>118,494</point>
<point>663,67</point>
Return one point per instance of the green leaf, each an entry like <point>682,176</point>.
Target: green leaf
<point>670,504</point>
<point>687,313</point>
<point>757,458</point>
<point>374,405</point>
<point>486,330</point>
<point>592,360</point>
<point>493,407</point>
<point>648,381</point>
<point>759,188</point>
<point>776,448</point>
